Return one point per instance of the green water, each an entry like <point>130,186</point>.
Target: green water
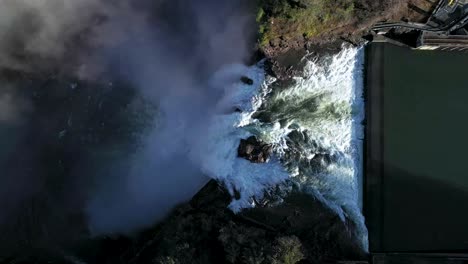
<point>424,127</point>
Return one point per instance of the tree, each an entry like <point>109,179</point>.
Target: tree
<point>287,250</point>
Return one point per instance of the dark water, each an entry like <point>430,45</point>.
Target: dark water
<point>423,192</point>
<point>56,137</point>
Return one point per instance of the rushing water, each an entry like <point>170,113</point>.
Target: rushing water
<point>314,126</point>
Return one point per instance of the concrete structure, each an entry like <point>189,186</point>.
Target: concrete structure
<point>430,41</point>
<point>445,29</point>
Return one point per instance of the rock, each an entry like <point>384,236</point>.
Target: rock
<point>287,65</point>
<point>232,110</point>
<point>254,150</point>
<point>297,4</point>
<point>246,80</point>
<point>237,194</point>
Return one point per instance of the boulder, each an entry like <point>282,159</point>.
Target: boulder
<point>254,150</point>
<point>247,80</point>
<point>297,4</point>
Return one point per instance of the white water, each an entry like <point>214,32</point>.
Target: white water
<point>325,106</point>
<point>220,160</point>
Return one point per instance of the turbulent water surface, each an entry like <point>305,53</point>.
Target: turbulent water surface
<point>315,126</point>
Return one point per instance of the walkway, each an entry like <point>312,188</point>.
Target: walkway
<point>447,17</point>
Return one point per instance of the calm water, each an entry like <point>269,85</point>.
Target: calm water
<point>424,128</point>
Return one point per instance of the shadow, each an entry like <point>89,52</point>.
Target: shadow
<point>411,208</point>
<point>52,151</point>
<point>418,9</point>
<point>408,212</point>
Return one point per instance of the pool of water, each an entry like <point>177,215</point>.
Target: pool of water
<point>417,178</point>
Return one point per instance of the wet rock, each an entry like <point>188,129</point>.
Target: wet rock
<point>286,65</point>
<point>246,80</point>
<point>297,4</point>
<point>324,159</point>
<point>237,194</point>
<point>232,110</point>
<point>254,150</point>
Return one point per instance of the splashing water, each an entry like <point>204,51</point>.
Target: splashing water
<point>314,126</point>
<point>220,159</point>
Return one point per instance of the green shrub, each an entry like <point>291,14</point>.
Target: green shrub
<point>288,250</point>
<point>290,19</point>
<point>260,15</point>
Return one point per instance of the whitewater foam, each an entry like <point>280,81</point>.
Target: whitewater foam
<point>220,159</point>
<point>314,126</point>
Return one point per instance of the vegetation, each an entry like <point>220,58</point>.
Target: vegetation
<point>204,231</point>
<point>291,19</point>
<point>288,250</point>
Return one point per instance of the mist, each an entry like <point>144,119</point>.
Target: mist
<point>172,63</point>
<point>169,51</point>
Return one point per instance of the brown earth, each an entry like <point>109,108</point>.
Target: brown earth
<point>366,14</point>
<point>284,54</point>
